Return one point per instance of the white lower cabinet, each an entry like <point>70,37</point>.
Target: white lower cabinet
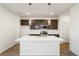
<point>39,48</point>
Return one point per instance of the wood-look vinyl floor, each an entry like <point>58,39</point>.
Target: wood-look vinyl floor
<point>64,50</point>
<point>15,50</point>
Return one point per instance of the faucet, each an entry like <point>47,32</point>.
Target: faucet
<point>43,33</point>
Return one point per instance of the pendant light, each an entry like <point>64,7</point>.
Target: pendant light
<point>49,13</point>
<point>29,13</point>
<point>29,7</point>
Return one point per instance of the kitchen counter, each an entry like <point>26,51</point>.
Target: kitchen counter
<point>33,38</point>
<point>39,45</point>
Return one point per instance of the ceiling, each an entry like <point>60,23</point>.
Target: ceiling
<point>37,9</point>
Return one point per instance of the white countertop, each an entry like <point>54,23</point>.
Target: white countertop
<point>39,38</point>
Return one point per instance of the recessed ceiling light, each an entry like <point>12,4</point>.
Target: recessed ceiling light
<point>28,13</point>
<point>51,13</point>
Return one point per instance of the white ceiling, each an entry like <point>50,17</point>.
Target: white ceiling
<point>37,9</point>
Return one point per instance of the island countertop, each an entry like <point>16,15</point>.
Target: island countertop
<point>39,38</point>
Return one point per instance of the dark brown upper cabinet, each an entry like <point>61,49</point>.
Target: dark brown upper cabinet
<point>39,22</point>
<point>54,24</point>
<point>24,22</point>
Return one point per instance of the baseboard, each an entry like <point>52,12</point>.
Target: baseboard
<point>73,52</point>
<point>8,47</point>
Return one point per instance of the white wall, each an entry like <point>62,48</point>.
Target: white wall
<point>74,29</point>
<point>25,30</point>
<point>64,26</point>
<point>9,29</point>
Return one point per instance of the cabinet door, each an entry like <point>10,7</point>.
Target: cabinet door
<point>54,24</point>
<point>24,22</point>
<point>39,22</point>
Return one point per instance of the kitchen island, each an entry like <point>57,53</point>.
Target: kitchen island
<point>39,45</point>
